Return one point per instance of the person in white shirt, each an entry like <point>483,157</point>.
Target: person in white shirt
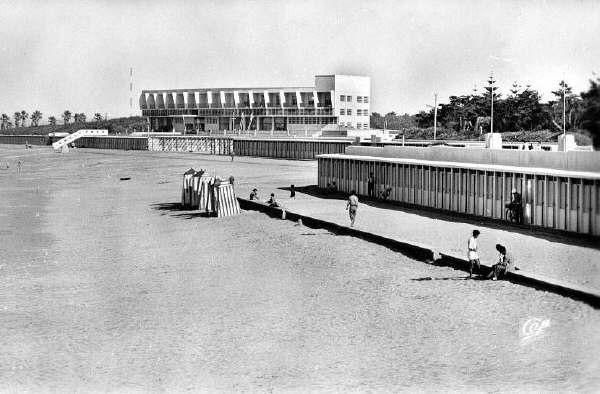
<point>472,254</point>
<point>352,206</point>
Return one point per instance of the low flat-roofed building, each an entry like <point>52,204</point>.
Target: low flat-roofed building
<point>335,99</point>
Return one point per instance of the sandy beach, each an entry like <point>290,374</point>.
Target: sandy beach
<point>108,286</point>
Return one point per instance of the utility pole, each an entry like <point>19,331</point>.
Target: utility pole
<point>564,107</point>
<point>435,116</point>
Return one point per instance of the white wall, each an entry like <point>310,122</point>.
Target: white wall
<point>352,85</point>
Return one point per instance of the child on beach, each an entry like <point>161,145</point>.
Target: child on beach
<point>472,253</point>
<point>352,206</point>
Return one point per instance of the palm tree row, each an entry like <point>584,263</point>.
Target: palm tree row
<point>20,119</point>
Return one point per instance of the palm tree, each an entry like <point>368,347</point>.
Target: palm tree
<point>76,118</point>
<point>36,116</point>
<point>82,117</point>
<point>17,116</point>
<point>5,121</point>
<point>66,117</point>
<point>24,116</point>
<point>52,120</point>
<point>97,117</point>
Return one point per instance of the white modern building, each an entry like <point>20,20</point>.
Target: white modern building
<point>333,100</point>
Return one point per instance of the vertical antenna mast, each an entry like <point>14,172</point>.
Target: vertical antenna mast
<point>130,91</point>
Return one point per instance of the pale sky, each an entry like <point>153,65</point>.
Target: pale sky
<point>75,55</point>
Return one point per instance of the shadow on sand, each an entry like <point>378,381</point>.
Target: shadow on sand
<point>433,213</point>
<point>477,277</point>
<point>186,213</point>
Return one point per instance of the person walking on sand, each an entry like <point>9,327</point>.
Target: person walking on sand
<point>292,191</point>
<point>19,165</point>
<point>352,206</point>
<point>473,254</point>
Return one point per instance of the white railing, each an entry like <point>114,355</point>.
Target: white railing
<point>76,135</point>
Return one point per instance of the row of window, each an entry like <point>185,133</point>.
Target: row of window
<point>359,112</point>
<point>359,99</point>
<point>238,112</point>
<point>358,125</point>
<point>311,120</point>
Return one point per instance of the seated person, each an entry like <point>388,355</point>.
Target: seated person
<point>385,194</point>
<point>272,202</point>
<point>515,206</point>
<point>254,194</point>
<point>505,263</point>
<point>331,188</point>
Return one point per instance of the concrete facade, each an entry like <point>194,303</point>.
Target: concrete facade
<point>334,99</point>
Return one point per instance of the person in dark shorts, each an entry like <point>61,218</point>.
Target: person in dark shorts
<point>292,191</point>
<point>352,206</point>
<point>254,194</point>
<point>371,185</point>
<point>473,254</point>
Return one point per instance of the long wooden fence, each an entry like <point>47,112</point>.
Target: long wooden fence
<point>113,142</point>
<point>557,199</point>
<point>298,149</point>
<point>23,139</point>
<point>204,144</point>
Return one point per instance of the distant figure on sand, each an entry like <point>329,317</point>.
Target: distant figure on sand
<point>292,191</point>
<point>232,154</point>
<point>505,263</point>
<point>272,202</point>
<point>472,254</point>
<point>371,185</point>
<point>19,165</point>
<point>352,206</point>
<point>254,194</point>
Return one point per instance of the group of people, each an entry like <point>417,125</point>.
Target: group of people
<point>505,262</point>
<point>272,202</point>
<point>6,166</point>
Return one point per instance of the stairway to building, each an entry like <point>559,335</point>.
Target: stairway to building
<point>78,134</point>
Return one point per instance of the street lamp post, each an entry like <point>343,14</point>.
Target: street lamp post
<point>435,96</point>
<point>491,81</point>
<point>435,116</point>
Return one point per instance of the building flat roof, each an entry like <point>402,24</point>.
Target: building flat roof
<point>258,89</point>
